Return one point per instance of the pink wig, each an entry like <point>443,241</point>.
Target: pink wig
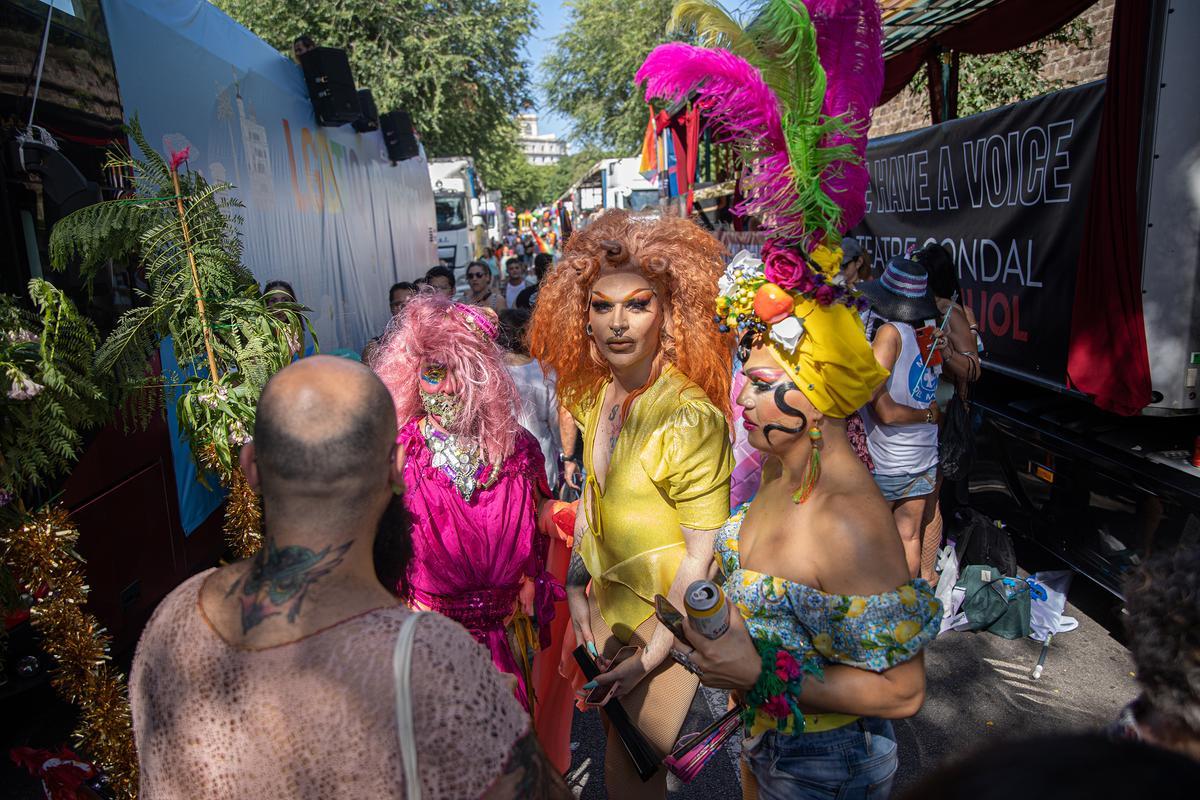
<point>435,329</point>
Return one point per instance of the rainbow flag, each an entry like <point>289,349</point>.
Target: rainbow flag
<point>649,165</point>
<point>541,245</point>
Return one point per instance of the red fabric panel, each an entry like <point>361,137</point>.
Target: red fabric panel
<point>1107,357</point>
<point>1006,26</point>
<point>899,70</point>
<point>692,121</point>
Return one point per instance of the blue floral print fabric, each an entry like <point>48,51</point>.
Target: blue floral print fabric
<point>872,632</point>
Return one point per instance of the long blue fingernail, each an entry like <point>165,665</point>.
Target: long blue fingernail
<point>592,649</point>
<point>590,685</point>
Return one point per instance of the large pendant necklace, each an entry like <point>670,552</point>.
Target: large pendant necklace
<point>464,466</point>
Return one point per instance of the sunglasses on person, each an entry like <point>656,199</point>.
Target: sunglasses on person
<point>473,275</point>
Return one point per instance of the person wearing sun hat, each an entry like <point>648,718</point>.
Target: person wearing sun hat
<point>814,571</point>
<point>901,420</point>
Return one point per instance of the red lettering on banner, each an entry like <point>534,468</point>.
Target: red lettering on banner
<point>998,301</point>
<point>998,314</point>
<point>1018,334</point>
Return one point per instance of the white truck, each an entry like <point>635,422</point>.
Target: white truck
<point>614,183</point>
<point>458,195</point>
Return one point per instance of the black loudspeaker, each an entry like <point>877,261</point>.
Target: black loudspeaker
<point>330,86</point>
<point>398,135</point>
<point>368,119</point>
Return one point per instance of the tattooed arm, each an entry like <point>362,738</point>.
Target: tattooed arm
<point>577,581</point>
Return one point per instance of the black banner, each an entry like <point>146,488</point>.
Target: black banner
<point>1006,191</point>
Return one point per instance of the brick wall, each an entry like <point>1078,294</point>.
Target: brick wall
<point>1065,63</point>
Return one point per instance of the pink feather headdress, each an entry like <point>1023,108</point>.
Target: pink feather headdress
<point>795,96</point>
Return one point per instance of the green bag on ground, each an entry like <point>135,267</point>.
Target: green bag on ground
<point>994,602</point>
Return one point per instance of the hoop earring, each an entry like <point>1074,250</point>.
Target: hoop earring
<point>805,491</point>
<point>588,329</point>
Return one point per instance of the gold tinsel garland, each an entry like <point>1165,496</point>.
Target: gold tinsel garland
<point>243,512</point>
<point>40,552</point>
<point>243,518</point>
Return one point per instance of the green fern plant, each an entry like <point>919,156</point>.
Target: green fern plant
<point>183,232</point>
<point>50,392</point>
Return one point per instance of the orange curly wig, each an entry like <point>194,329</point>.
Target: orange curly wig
<point>679,259</point>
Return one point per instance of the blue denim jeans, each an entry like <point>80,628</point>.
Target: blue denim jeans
<point>855,762</point>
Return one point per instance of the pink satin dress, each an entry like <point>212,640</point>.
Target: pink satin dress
<point>471,556</point>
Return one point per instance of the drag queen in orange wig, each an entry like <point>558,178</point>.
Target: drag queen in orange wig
<point>625,321</point>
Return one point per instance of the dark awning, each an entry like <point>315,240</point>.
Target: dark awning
<point>911,28</point>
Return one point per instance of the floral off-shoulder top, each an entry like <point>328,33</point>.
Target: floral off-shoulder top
<point>872,632</point>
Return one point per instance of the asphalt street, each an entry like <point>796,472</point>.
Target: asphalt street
<point>979,690</point>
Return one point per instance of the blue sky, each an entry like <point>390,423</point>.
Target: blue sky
<point>553,17</point>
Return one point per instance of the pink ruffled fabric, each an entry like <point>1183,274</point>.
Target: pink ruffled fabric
<point>469,557</point>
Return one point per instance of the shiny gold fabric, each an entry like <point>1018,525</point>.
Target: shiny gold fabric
<point>670,469</point>
<point>833,364</point>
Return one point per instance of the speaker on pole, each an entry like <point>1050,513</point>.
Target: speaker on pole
<point>368,119</point>
<point>398,135</point>
<point>330,86</point>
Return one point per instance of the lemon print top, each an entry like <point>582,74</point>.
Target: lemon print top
<point>670,469</point>
<point>872,632</point>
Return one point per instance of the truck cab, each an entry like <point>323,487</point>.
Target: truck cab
<point>461,229</point>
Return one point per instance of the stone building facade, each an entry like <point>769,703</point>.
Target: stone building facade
<point>539,148</point>
<point>1069,64</point>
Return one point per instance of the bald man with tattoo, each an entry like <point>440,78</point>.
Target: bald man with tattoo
<point>273,676</point>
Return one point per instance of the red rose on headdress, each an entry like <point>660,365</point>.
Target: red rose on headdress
<point>825,295</point>
<point>785,267</point>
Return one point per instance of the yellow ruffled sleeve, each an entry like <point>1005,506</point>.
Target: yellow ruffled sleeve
<point>690,458</point>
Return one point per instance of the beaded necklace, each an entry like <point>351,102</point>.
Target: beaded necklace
<point>461,464</point>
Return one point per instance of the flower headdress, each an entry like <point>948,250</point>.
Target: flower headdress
<point>793,93</point>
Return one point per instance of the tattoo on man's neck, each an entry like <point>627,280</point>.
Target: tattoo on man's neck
<point>280,577</point>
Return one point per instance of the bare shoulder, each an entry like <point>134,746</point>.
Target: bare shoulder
<point>886,345</point>
<point>861,552</point>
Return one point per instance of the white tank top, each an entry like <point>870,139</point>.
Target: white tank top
<point>905,449</point>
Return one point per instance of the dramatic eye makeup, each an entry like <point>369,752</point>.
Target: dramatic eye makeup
<point>764,380</point>
<point>433,374</point>
<point>777,383</point>
<point>637,300</point>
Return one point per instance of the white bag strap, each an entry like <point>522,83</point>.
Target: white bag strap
<point>401,665</point>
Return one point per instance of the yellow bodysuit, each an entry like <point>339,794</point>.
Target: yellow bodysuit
<point>670,468</point>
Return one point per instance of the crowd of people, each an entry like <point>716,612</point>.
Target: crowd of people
<point>493,522</point>
<point>415,623</point>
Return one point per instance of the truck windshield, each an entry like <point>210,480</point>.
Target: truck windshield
<point>640,199</point>
<point>451,212</point>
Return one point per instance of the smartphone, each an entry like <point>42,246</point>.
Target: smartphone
<point>602,694</point>
<point>669,615</point>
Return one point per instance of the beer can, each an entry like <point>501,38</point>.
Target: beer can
<point>707,609</point>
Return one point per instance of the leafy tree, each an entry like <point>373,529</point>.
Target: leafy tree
<point>521,184</point>
<point>589,74</point>
<point>455,65</point>
<point>990,81</point>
